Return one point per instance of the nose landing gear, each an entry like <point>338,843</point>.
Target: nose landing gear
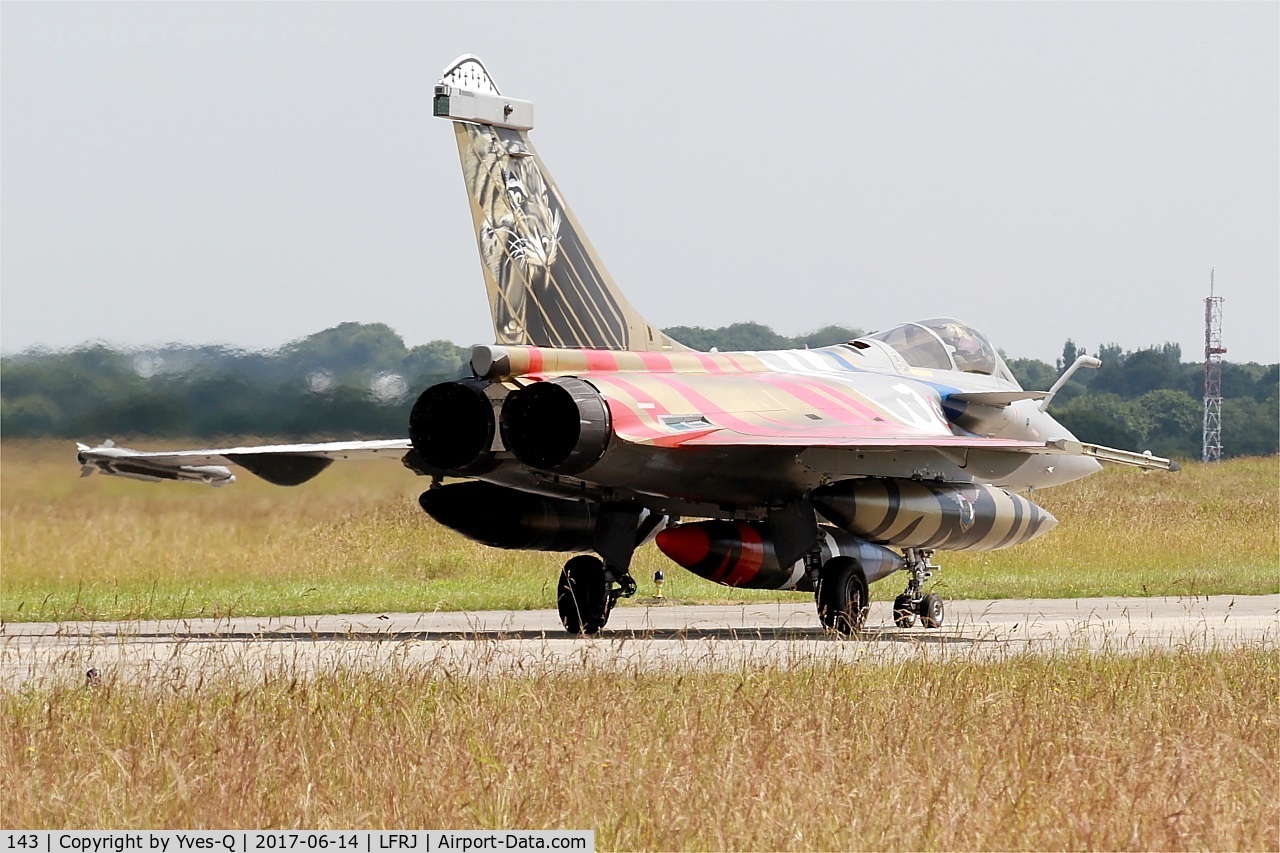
<point>912,603</point>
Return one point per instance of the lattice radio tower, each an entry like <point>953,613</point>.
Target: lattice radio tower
<point>1213,352</point>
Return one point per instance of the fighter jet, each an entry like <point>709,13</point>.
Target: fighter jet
<point>585,429</point>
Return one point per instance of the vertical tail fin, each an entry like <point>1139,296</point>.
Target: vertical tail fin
<point>547,286</point>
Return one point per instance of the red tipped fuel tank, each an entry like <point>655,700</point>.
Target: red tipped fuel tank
<point>741,554</point>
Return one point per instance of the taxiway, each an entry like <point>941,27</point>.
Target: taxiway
<point>643,637</point>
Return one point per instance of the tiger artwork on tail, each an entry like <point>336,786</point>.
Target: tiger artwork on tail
<point>519,232</point>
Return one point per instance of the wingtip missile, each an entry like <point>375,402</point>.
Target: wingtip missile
<point>123,462</point>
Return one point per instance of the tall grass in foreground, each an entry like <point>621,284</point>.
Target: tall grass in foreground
<point>354,540</point>
<point>1161,751</point>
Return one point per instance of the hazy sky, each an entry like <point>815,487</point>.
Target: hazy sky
<point>250,173</point>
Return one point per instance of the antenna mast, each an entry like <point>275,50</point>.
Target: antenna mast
<point>1213,352</point>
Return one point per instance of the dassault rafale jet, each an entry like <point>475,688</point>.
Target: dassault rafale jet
<point>584,429</point>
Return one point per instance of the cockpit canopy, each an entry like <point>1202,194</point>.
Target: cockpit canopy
<point>945,344</point>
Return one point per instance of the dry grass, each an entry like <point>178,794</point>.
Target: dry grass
<point>1205,530</point>
<point>354,540</point>
<point>1162,751</point>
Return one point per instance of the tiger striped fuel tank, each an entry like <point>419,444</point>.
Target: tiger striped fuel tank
<point>915,514</point>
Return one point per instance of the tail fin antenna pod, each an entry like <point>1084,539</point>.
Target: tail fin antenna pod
<point>547,286</point>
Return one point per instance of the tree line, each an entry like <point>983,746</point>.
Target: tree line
<point>1149,399</point>
<point>359,379</point>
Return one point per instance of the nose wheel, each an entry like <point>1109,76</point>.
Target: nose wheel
<point>912,604</point>
<point>904,611</point>
<point>931,611</point>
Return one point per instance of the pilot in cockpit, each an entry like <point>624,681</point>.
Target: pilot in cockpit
<point>969,350</point>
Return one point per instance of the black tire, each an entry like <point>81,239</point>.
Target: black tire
<point>931,611</point>
<point>904,612</point>
<point>582,595</point>
<point>843,597</point>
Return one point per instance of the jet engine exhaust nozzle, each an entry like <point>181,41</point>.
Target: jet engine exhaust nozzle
<point>452,427</point>
<point>560,425</point>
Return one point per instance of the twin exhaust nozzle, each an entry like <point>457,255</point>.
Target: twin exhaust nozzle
<point>560,425</point>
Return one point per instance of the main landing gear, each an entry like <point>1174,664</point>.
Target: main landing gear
<point>912,603</point>
<point>590,586</point>
<point>842,596</point>
<point>587,592</point>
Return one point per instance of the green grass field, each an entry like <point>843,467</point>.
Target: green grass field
<point>354,540</point>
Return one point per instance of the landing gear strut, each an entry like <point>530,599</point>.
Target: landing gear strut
<point>912,603</point>
<point>842,596</point>
<point>586,593</point>
<point>582,595</point>
<point>589,586</point>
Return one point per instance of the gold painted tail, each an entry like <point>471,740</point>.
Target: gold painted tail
<point>547,286</point>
